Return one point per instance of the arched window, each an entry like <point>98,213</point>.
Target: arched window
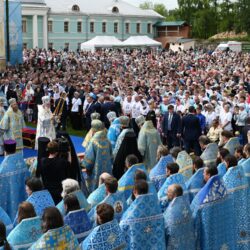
<point>115,10</point>
<point>75,8</point>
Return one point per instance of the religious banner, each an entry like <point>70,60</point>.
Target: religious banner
<point>15,33</point>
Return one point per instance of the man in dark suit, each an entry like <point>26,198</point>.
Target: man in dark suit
<point>171,127</point>
<point>90,108</point>
<point>245,130</point>
<point>191,131</point>
<point>107,106</point>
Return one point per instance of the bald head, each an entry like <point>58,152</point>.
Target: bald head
<point>174,191</point>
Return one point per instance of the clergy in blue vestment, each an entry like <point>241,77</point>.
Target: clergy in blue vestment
<point>114,198</point>
<point>173,177</point>
<point>107,235</point>
<point>246,163</point>
<point>143,223</point>
<point>25,233</point>
<point>56,235</point>
<point>126,183</point>
<point>114,129</point>
<point>13,172</point>
<point>237,187</point>
<point>38,197</point>
<point>196,182</point>
<point>148,141</point>
<point>158,173</point>
<point>98,156</point>
<point>142,175</point>
<point>232,144</point>
<point>213,213</point>
<point>179,223</point>
<point>6,220</point>
<point>223,152</point>
<point>97,196</point>
<point>13,123</point>
<point>93,116</point>
<point>209,155</point>
<point>76,218</point>
<point>124,123</point>
<point>71,186</point>
<point>185,163</point>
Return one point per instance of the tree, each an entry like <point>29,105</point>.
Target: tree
<point>147,6</point>
<point>157,7</point>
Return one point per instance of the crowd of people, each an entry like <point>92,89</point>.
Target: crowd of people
<point>167,151</point>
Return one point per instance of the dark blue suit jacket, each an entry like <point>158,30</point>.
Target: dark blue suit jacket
<point>191,128</point>
<point>175,125</point>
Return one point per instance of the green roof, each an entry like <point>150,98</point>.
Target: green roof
<point>172,23</point>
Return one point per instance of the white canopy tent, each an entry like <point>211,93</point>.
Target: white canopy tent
<point>101,42</point>
<point>141,41</point>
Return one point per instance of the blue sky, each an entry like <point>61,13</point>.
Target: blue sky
<point>170,4</point>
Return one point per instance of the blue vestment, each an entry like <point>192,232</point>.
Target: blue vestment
<point>120,140</point>
<point>148,142</point>
<point>151,190</point>
<point>114,131</point>
<point>210,153</point>
<point>126,183</point>
<point>179,225</point>
<point>41,200</point>
<point>4,217</point>
<point>117,201</point>
<point>232,144</point>
<point>158,173</point>
<point>172,179</point>
<point>97,196</point>
<point>195,183</point>
<point>212,210</point>
<point>79,222</point>
<point>107,236</point>
<point>98,159</point>
<point>237,187</point>
<point>13,173</point>
<point>246,169</point>
<point>81,199</point>
<point>185,163</point>
<point>13,123</point>
<point>26,233</point>
<point>222,169</point>
<point>60,238</point>
<point>143,224</point>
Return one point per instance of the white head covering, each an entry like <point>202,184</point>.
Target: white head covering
<point>12,101</point>
<point>45,99</point>
<point>111,116</point>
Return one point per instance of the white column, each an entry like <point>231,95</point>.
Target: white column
<point>35,32</point>
<point>45,32</point>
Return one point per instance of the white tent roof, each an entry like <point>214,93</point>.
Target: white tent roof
<point>101,42</point>
<point>141,41</point>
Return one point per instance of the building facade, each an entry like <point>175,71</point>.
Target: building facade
<point>68,23</point>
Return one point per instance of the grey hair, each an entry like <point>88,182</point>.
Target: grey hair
<point>69,186</point>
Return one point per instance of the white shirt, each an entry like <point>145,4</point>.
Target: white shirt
<point>209,118</point>
<point>75,104</point>
<point>226,117</point>
<point>136,109</point>
<point>127,107</point>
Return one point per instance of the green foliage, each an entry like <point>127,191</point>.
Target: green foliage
<point>208,17</point>
<point>157,7</point>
